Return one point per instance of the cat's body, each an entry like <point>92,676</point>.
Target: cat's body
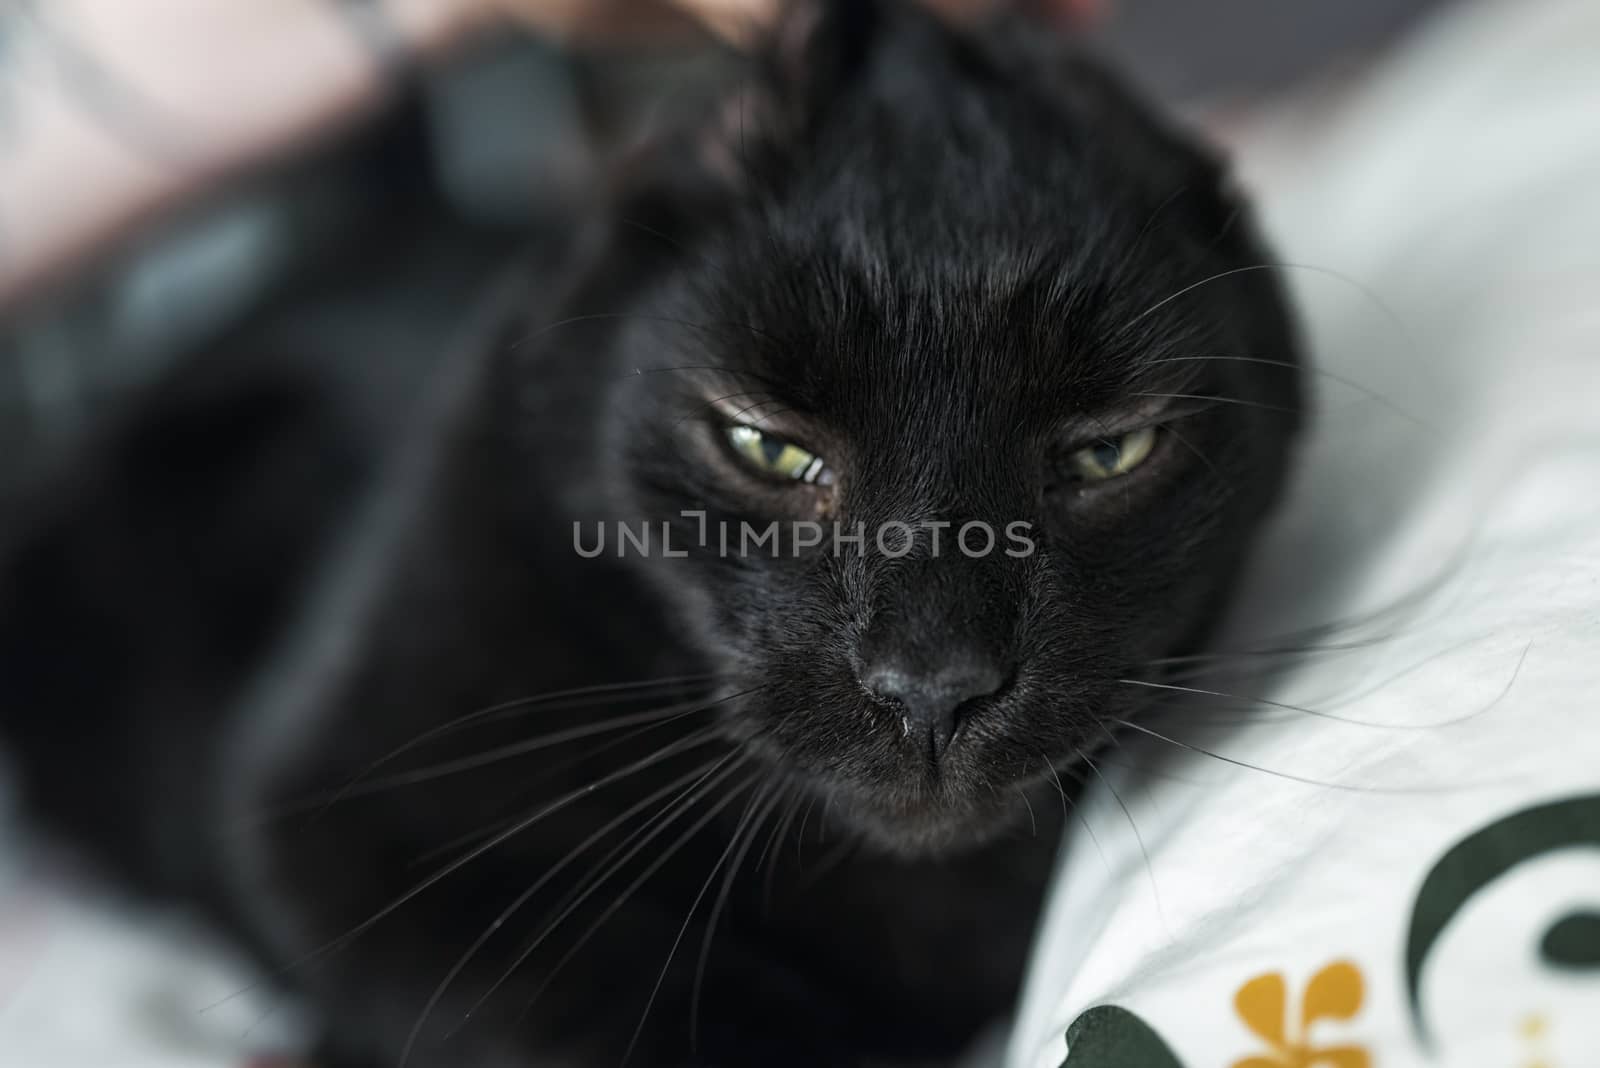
<point>944,263</point>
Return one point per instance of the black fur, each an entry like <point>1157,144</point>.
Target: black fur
<point>941,260</point>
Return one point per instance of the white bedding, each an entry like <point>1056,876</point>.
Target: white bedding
<point>1355,915</point>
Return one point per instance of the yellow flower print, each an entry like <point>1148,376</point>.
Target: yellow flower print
<point>1334,993</point>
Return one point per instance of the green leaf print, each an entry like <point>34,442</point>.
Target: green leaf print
<point>1109,1037</point>
<point>1486,855</point>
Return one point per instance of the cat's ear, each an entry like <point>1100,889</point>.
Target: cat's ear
<point>679,179</point>
<point>814,50</point>
<point>800,67</point>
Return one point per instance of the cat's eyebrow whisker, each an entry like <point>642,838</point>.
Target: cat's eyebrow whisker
<point>739,415</point>
<point>1365,290</point>
<point>1342,380</point>
<point>1387,310</point>
<point>1227,483</point>
<point>559,804</point>
<point>1211,398</point>
<point>714,369</point>
<point>673,243</point>
<point>764,416</point>
<point>714,402</point>
<point>686,783</point>
<point>593,317</point>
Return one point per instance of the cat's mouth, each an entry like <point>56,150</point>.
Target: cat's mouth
<point>916,813</point>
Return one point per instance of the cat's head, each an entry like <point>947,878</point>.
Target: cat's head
<point>957,283</point>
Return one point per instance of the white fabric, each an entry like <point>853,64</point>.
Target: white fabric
<point>1447,221</point>
<point>90,983</point>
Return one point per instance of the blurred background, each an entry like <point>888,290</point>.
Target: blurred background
<point>362,239</point>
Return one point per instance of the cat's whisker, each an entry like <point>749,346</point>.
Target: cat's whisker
<point>1066,800</point>
<point>694,906</point>
<point>687,783</point>
<point>546,772</point>
<point>656,865</point>
<point>638,839</point>
<point>774,794</point>
<point>1302,709</point>
<point>800,837</point>
<point>548,702</point>
<point>1144,850</point>
<point>1378,687</point>
<point>790,797</point>
<point>774,863</point>
<point>830,860</point>
<point>1033,821</point>
<point>564,700</point>
<point>1231,655</point>
<point>1254,663</point>
<point>653,719</point>
<point>367,786</point>
<point>1289,776</point>
<point>422,886</point>
<point>1146,772</point>
<point>1285,649</point>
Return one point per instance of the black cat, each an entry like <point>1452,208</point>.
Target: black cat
<point>938,387</point>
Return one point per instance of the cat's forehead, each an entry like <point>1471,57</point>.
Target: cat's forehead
<point>1042,304</point>
<point>1018,336</point>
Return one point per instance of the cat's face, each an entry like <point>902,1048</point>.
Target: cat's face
<point>960,304</point>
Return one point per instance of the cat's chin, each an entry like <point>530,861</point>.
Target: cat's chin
<point>931,827</point>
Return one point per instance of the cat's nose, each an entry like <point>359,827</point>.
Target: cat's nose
<point>933,700</point>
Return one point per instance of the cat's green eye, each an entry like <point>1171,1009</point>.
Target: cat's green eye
<point>775,457</point>
<point>1114,457</point>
